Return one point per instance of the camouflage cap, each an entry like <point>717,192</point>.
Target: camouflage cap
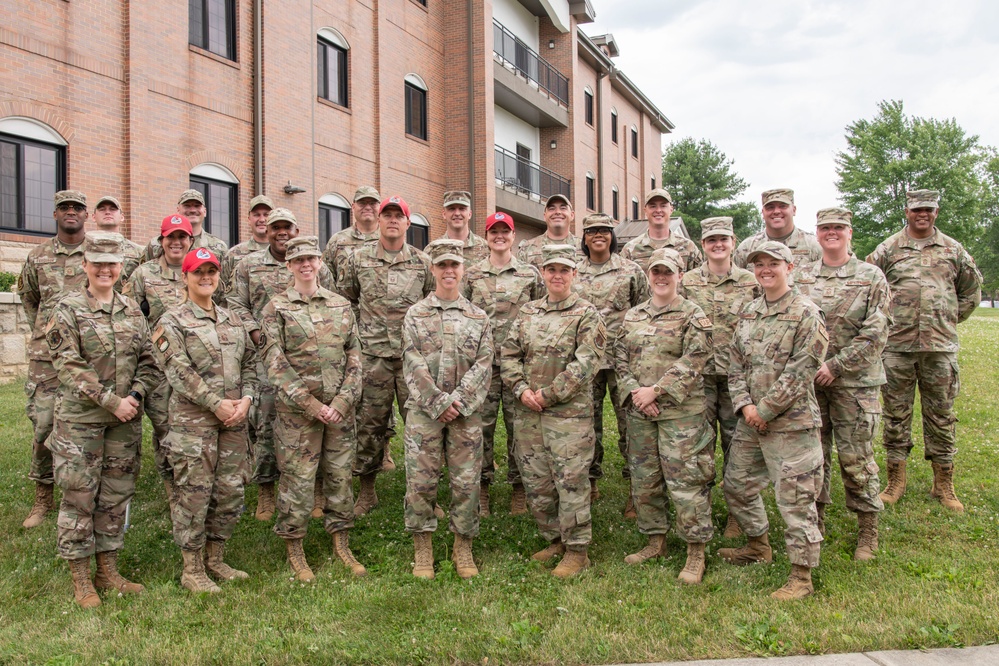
<point>771,249</point>
<point>834,216</point>
<point>716,226</point>
<point>558,197</point>
<point>598,221</point>
<point>191,195</point>
<point>658,192</point>
<point>103,247</point>
<point>366,192</point>
<point>457,198</point>
<point>782,195</point>
<point>922,199</point>
<point>668,258</point>
<point>558,254</point>
<point>303,246</point>
<point>69,196</point>
<point>445,249</point>
<point>261,200</point>
<point>107,198</point>
<point>279,215</point>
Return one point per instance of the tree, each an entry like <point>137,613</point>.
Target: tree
<point>986,254</point>
<point>703,183</point>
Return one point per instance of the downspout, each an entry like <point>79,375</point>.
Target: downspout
<point>471,105</point>
<point>600,142</point>
<point>258,98</point>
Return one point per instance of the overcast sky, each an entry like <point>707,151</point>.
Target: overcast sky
<point>773,83</point>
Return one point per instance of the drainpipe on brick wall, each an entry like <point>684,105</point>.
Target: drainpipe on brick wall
<point>600,143</point>
<point>258,98</point>
<point>469,4</point>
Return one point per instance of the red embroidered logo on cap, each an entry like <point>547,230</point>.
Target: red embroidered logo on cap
<point>203,254</point>
<point>176,220</point>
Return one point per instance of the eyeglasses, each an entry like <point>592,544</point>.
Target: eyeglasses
<point>597,230</point>
<point>79,208</point>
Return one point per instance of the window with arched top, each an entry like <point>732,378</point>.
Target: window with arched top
<point>220,188</point>
<point>334,216</point>
<point>32,170</point>
<point>613,125</point>
<point>416,106</point>
<point>634,141</point>
<point>615,200</point>
<point>634,208</point>
<point>588,105</point>
<point>591,191</point>
<point>418,234</point>
<point>332,66</point>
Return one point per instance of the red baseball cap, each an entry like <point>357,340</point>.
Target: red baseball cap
<point>174,222</point>
<point>394,201</point>
<point>499,218</point>
<point>195,258</point>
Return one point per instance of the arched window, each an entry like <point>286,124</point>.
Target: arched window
<point>634,208</point>
<point>588,105</point>
<point>613,125</point>
<point>32,170</point>
<point>418,234</point>
<point>416,106</point>
<point>615,200</point>
<point>634,141</point>
<point>220,188</point>
<point>591,191</point>
<point>334,216</point>
<point>331,65</point>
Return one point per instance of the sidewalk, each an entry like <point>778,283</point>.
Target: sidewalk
<point>986,655</point>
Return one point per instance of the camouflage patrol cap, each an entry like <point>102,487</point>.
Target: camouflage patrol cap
<point>103,247</point>
<point>281,215</point>
<point>558,197</point>
<point>366,192</point>
<point>667,257</point>
<point>598,221</point>
<point>303,246</point>
<point>445,249</point>
<point>261,200</point>
<point>782,195</point>
<point>660,193</point>
<point>716,226</point>
<point>558,254</point>
<point>922,199</point>
<point>834,216</point>
<point>191,195</point>
<point>771,249</point>
<point>457,198</point>
<point>69,196</point>
<point>107,198</point>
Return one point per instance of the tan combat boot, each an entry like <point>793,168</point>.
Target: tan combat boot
<point>44,502</point>
<point>867,537</point>
<point>821,510</point>
<point>943,482</point>
<point>215,566</point>
<point>341,548</point>
<point>265,501</point>
<point>484,499</point>
<point>424,565</point>
<point>318,499</point>
<point>654,548</point>
<point>551,551</point>
<point>193,578</point>
<point>757,549</point>
<point>108,578</point>
<point>296,558</point>
<point>798,585</point>
<point>574,562</point>
<point>462,557</point>
<point>732,529</point>
<point>693,569</point>
<point>366,498</point>
<point>594,491</point>
<point>83,589</point>
<point>896,482</point>
<point>388,465</point>
<point>518,500</point>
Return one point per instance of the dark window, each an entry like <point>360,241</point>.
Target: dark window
<point>221,220</point>
<point>614,204</point>
<point>634,142</point>
<point>591,198</point>
<point>418,234</point>
<point>652,182</point>
<point>614,127</point>
<point>416,111</point>
<point>422,2</point>
<point>588,107</point>
<point>212,26</point>
<point>30,175</point>
<point>634,209</point>
<point>331,220</point>
<point>332,66</point>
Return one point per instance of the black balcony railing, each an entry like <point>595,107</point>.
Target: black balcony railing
<point>528,177</point>
<point>531,65</point>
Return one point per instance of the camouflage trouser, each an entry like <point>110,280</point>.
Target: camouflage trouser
<point>678,454</point>
<point>265,469</point>
<point>850,417</point>
<point>718,412</point>
<point>157,406</point>
<point>382,381</point>
<point>41,388</point>
<point>96,465</point>
<point>306,447</point>
<point>936,373</point>
<point>604,382</point>
<point>793,462</point>
<point>489,414</point>
<point>555,455</point>
<point>430,445</point>
<point>209,465</point>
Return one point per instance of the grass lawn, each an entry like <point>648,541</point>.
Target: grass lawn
<point>933,584</point>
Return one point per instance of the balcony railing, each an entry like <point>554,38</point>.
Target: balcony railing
<point>529,64</point>
<point>527,177</point>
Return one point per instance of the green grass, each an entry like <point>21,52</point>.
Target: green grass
<point>933,584</point>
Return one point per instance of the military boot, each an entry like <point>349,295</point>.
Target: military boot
<point>484,499</point>
<point>518,500</point>
<point>693,569</point>
<point>424,550</point>
<point>896,482</point>
<point>757,549</point>
<point>575,561</point>
<point>366,499</point>
<point>265,501</point>
<point>83,589</point>
<point>798,585</point>
<point>296,558</point>
<point>867,537</point>
<point>732,529</point>
<point>44,502</point>
<point>654,548</point>
<point>388,465</point>
<point>193,578</point>
<point>341,548</point>
<point>462,557</point>
<point>214,564</point>
<point>943,481</point>
<point>549,552</point>
<point>318,498</point>
<point>594,491</point>
<point>108,578</point>
<point>821,510</point>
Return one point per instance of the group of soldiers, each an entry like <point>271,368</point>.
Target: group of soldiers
<point>278,362</point>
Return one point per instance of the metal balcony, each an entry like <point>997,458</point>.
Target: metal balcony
<point>528,178</point>
<point>529,64</point>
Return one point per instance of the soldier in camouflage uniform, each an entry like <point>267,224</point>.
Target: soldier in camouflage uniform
<point>777,349</point>
<point>935,285</point>
<point>853,296</point>
<point>382,280</point>
<point>192,206</point>
<point>500,285</point>
<point>211,364</point>
<point>559,218</point>
<point>363,230</point>
<point>778,220</point>
<point>659,356</point>
<point>108,216</point>
<point>614,285</point>
<point>457,216</point>
<point>313,355</point>
<point>722,290</point>
<point>447,363</point>
<point>260,207</point>
<point>258,277</point>
<point>52,270</point>
<point>549,359</point>
<point>658,209</point>
<point>99,345</point>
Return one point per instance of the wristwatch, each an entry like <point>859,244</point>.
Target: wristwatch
<point>657,389</point>
<point>136,395</point>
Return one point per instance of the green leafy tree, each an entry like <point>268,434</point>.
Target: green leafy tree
<point>987,252</point>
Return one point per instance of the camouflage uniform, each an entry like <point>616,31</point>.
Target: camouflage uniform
<point>500,292</point>
<point>640,250</point>
<point>667,347</point>
<point>474,249</point>
<point>776,351</point>
<point>383,289</point>
<point>529,251</point>
<point>132,252</point>
<point>804,247</point>
<point>448,358</point>
<point>341,245</point>
<point>207,357</point>
<point>233,257</point>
